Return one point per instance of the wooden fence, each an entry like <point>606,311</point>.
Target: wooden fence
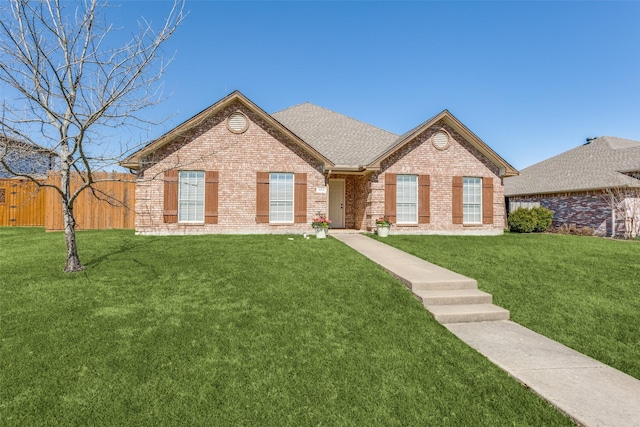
<point>22,203</point>
<point>110,205</point>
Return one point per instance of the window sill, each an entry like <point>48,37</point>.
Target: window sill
<point>473,225</point>
<point>189,224</point>
<point>406,225</point>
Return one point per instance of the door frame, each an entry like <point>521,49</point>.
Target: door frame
<point>344,200</point>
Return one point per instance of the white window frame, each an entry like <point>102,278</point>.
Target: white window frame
<point>281,197</point>
<point>191,196</point>
<point>471,200</point>
<point>407,199</point>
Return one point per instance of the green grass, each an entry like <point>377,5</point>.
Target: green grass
<point>231,330</point>
<point>581,291</point>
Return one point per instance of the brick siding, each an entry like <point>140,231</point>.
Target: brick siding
<point>237,158</point>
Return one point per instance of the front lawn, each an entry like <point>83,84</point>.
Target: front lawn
<point>231,330</point>
<point>581,291</point>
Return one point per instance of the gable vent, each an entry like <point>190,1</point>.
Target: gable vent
<point>441,140</point>
<point>237,122</point>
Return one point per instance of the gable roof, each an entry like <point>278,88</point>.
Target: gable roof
<point>133,161</point>
<point>342,143</point>
<point>505,168</point>
<point>603,162</point>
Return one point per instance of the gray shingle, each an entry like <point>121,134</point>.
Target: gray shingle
<point>597,165</point>
<point>342,139</point>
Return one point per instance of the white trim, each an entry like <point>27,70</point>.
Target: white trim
<point>415,203</point>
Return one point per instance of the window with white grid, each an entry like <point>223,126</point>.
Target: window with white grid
<point>407,199</point>
<point>472,200</point>
<point>191,196</point>
<point>280,197</point>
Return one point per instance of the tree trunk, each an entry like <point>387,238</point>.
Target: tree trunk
<point>73,260</point>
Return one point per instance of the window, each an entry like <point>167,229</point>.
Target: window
<point>280,197</point>
<point>191,196</point>
<point>3,196</point>
<point>472,200</point>
<point>407,199</point>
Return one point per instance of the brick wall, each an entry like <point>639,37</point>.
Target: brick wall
<point>584,209</point>
<point>421,157</point>
<point>237,158</point>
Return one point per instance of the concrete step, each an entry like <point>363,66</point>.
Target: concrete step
<point>453,296</point>
<point>467,313</point>
<point>442,284</point>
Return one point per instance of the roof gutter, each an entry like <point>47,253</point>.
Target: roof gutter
<point>346,168</point>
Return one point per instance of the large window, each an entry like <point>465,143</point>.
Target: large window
<point>407,199</point>
<point>472,200</point>
<point>280,197</point>
<point>191,196</point>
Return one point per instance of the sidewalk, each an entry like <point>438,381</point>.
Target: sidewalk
<point>590,392</point>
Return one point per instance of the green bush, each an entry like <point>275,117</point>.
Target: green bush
<point>522,220</point>
<point>527,220</point>
<point>544,217</point>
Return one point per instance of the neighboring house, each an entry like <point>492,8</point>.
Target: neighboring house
<point>578,186</point>
<point>24,158</point>
<point>233,168</point>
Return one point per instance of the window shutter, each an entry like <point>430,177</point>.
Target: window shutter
<point>424,199</point>
<point>262,197</point>
<point>170,211</point>
<point>300,198</point>
<point>487,200</point>
<point>456,196</point>
<point>211,197</point>
<point>390,196</point>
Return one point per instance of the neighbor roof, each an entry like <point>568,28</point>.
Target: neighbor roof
<point>603,162</point>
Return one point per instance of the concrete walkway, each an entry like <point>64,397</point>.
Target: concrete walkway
<point>591,393</point>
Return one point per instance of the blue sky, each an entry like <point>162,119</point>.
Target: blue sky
<point>531,79</point>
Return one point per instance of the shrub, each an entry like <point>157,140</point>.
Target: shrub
<point>527,220</point>
<point>522,220</point>
<point>544,217</point>
<point>573,229</point>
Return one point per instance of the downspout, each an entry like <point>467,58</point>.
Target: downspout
<point>613,216</point>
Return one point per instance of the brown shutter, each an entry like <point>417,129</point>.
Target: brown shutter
<point>262,197</point>
<point>424,199</point>
<point>456,197</point>
<point>487,200</point>
<point>211,197</point>
<point>390,196</point>
<point>300,198</point>
<point>170,196</point>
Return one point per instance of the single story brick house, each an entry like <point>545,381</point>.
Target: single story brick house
<point>233,168</point>
<point>578,184</point>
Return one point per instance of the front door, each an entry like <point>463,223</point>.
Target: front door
<point>336,202</point>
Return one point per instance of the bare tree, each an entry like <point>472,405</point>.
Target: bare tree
<point>624,203</point>
<point>66,82</point>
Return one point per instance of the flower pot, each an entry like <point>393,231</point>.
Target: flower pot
<point>383,230</point>
<point>321,232</point>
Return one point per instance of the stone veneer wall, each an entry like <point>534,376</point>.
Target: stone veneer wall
<point>584,209</point>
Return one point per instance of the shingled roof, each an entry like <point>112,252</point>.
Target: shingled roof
<point>342,139</point>
<point>605,162</point>
<point>341,143</point>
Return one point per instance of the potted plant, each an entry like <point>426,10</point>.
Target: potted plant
<point>383,224</point>
<point>321,225</point>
